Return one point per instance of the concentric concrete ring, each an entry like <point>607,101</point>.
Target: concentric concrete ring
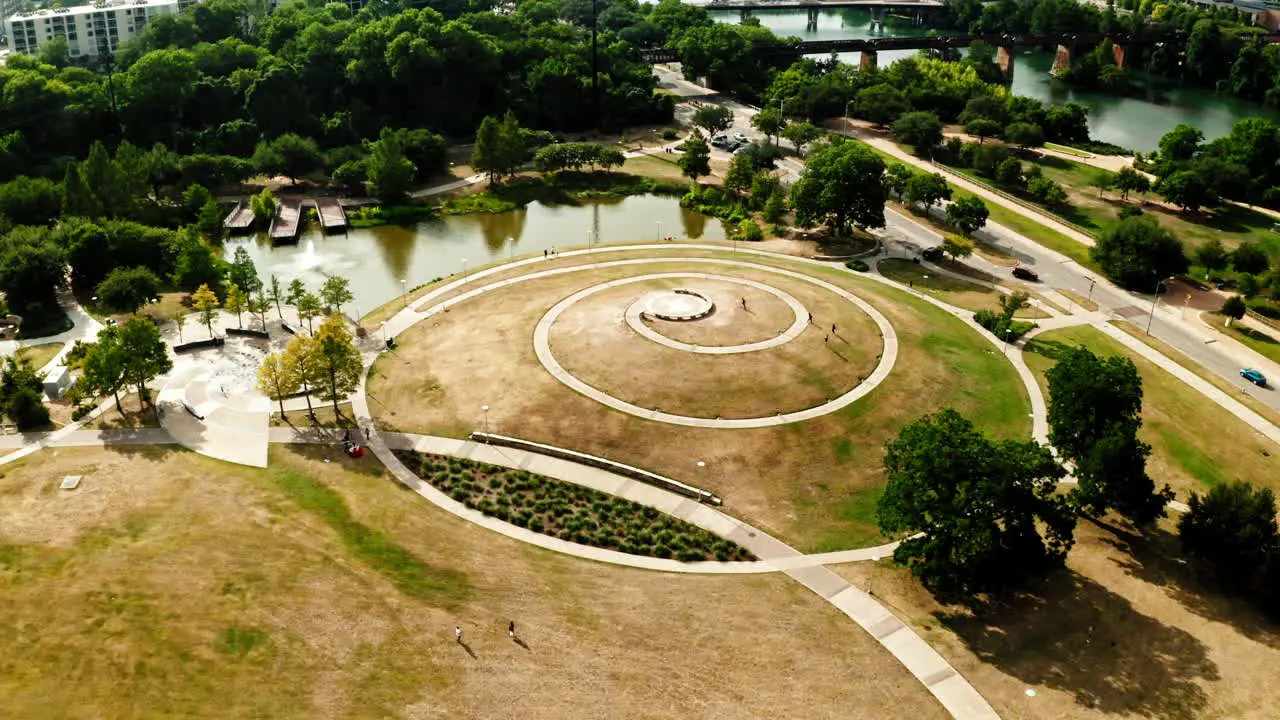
<point>802,319</point>
<point>680,305</point>
<point>542,348</point>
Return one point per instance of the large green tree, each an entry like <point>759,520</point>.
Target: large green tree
<point>979,515</point>
<point>1230,530</point>
<point>921,130</point>
<point>127,289</point>
<point>336,360</point>
<point>1095,411</point>
<point>389,172</point>
<point>1137,253</point>
<point>145,354</point>
<point>842,186</point>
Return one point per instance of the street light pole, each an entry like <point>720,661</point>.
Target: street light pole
<point>1155,299</point>
<point>464,271</point>
<point>404,291</point>
<point>485,408</point>
<point>1091,284</point>
<point>659,230</point>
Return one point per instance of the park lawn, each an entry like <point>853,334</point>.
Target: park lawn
<point>1259,341</point>
<point>948,289</point>
<point>800,481</point>
<point>1126,630</point>
<point>324,416</point>
<point>1195,443</point>
<point>1229,223</point>
<point>173,585</point>
<point>660,166</point>
<point>40,355</point>
<point>1177,356</point>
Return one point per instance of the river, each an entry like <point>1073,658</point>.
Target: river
<point>1132,122</point>
<point>376,260</point>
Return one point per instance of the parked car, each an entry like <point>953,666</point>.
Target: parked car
<point>931,254</point>
<point>1254,377</point>
<point>740,139</point>
<point>1024,274</point>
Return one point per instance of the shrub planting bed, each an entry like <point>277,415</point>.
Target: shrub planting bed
<point>567,511</point>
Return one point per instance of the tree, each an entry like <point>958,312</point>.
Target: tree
<point>1095,408</point>
<point>1234,308</point>
<point>278,378</point>
<point>982,128</point>
<point>801,134</point>
<point>928,189</point>
<point>299,357</point>
<point>205,303</point>
<point>77,198</point>
<point>336,292</point>
<point>103,366</point>
<point>957,247</point>
<point>127,289</point>
<point>263,206</point>
<point>32,270</point>
<point>1179,145</point>
<point>977,505</point>
<point>921,130</point>
<point>1129,180</point>
<point>775,207</point>
<point>842,185</point>
<point>145,355</point>
<point>1230,530</point>
<point>1009,172</point>
<point>487,155</point>
<point>389,171</point>
<point>243,272</point>
<point>21,394</point>
<point>896,178</point>
<point>295,292</point>
<point>1212,255</point>
<point>1137,253</point>
<point>1024,135</point>
<point>290,155</point>
<point>715,119</point>
<point>338,361</point>
<point>259,305</point>
<point>196,262</point>
<point>235,302</point>
<point>180,320</point>
<point>1187,190</point>
<point>1103,180</point>
<point>769,121</point>
<point>696,159</point>
<point>309,307</point>
<point>740,174</point>
<point>881,104</point>
<point>967,214</point>
<point>275,294</point>
<point>1249,257</point>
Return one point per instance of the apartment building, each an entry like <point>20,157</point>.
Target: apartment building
<point>90,30</point>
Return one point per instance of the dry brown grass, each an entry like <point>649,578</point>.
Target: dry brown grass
<point>1125,631</point>
<point>131,414</point>
<point>593,342</point>
<point>324,416</point>
<point>948,289</point>
<point>173,585</point>
<point>812,483</point>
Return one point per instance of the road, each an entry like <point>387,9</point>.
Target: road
<point>907,237</point>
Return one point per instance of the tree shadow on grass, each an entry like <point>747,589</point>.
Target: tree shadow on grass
<point>1155,557</point>
<point>1051,349</point>
<point>1074,635</point>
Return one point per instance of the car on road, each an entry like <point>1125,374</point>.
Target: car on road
<point>740,138</point>
<point>724,143</point>
<point>932,254</point>
<point>1254,377</point>
<point>1024,274</point>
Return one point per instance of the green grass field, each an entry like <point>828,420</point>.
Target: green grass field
<point>1195,443</point>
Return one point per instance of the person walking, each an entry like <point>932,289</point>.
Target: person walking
<point>744,303</point>
<point>511,629</point>
<point>826,338</point>
<point>457,634</point>
<point>833,328</point>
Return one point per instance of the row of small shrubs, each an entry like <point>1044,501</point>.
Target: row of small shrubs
<point>567,511</point>
<point>857,265</point>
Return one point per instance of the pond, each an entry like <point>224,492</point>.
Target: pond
<point>376,260</point>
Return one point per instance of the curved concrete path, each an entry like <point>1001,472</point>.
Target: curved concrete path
<point>635,319</point>
<point>542,348</point>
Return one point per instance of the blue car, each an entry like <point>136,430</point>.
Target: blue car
<point>1254,377</point>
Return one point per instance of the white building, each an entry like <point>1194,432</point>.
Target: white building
<point>90,30</point>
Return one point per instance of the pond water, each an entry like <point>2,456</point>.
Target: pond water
<point>377,259</point>
<point>1133,122</point>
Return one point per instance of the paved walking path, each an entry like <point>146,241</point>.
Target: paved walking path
<point>948,686</point>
